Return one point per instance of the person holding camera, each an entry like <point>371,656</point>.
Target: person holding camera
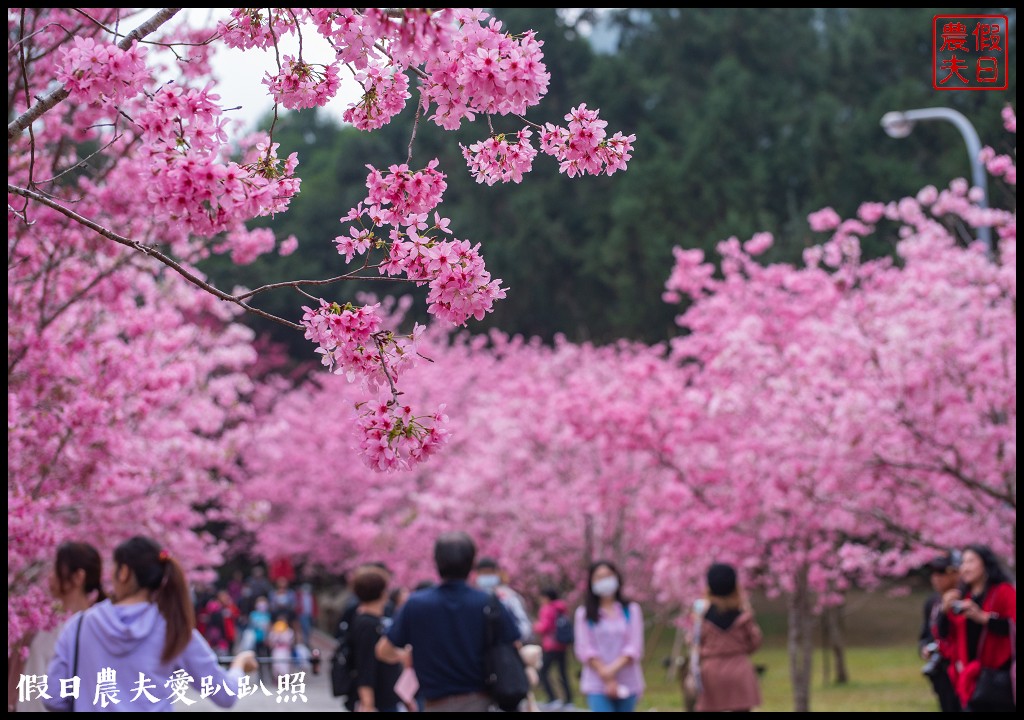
<point>939,652</point>
<point>977,617</point>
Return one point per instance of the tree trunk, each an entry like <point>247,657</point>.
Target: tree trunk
<point>588,541</point>
<point>800,643</point>
<point>836,642</point>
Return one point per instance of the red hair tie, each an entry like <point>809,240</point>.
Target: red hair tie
<point>164,556</point>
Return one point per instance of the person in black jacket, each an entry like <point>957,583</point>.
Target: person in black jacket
<point>351,608</point>
<point>936,651</point>
<point>375,679</point>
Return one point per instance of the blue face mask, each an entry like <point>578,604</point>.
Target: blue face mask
<point>487,582</point>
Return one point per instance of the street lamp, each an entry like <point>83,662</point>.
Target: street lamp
<point>899,124</point>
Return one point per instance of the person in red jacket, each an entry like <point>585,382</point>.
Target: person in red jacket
<point>977,617</point>
<point>551,606</point>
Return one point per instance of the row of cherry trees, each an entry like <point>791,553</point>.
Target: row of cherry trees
<point>825,426</point>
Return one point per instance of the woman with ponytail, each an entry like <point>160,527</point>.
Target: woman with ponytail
<point>75,585</point>
<point>125,650</point>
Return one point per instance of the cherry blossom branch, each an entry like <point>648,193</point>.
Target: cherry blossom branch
<point>297,284</point>
<point>23,63</point>
<point>82,163</point>
<point>298,29</point>
<point>76,296</point>
<point>150,251</point>
<point>532,124</point>
<point>384,366</point>
<point>116,33</point>
<point>156,43</point>
<point>25,120</point>
<point>24,37</point>
<point>947,469</point>
<point>412,137</point>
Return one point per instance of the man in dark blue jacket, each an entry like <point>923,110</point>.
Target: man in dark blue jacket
<point>443,626</point>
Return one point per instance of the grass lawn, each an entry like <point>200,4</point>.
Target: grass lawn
<point>883,679</point>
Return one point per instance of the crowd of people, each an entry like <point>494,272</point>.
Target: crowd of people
<point>271,615</point>
<point>422,649</point>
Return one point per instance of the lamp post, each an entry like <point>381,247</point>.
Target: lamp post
<point>899,124</point>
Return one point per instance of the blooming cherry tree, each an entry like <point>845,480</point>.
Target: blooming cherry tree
<point>861,414</point>
<point>825,426</point>
<point>127,369</point>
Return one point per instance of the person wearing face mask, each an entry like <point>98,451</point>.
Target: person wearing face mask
<point>609,632</point>
<point>491,578</point>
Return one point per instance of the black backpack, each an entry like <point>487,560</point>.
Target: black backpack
<point>343,668</point>
<point>564,634</point>
<point>505,678</point>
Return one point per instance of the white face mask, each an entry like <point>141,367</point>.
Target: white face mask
<point>605,587</point>
<point>487,582</point>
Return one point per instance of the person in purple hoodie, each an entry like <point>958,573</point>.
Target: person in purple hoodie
<point>141,650</point>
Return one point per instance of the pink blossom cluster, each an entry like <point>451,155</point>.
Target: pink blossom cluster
<point>188,182</point>
<point>759,243</point>
<point>823,220</point>
<point>417,34</point>
<point>353,341</point>
<point>100,71</point>
<point>345,337</point>
<point>1002,166</point>
<point>393,438</point>
<point>1009,119</point>
<point>460,285</point>
<point>300,84</point>
<point>500,159</point>
<point>183,120</point>
<point>367,36</point>
<point>384,96</point>
<point>247,245</point>
<point>144,427</point>
<point>248,28</point>
<point>352,33</point>
<point>690,275</point>
<point>584,147</point>
<point>483,70</point>
<point>358,241</point>
<point>401,193</point>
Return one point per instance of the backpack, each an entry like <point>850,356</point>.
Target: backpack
<point>505,678</point>
<point>343,668</point>
<point>564,634</point>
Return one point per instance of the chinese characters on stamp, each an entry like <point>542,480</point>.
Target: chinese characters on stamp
<point>969,52</point>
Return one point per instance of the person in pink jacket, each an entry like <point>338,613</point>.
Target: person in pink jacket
<point>551,607</point>
<point>728,636</point>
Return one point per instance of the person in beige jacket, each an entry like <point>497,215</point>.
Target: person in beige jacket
<point>728,636</point>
